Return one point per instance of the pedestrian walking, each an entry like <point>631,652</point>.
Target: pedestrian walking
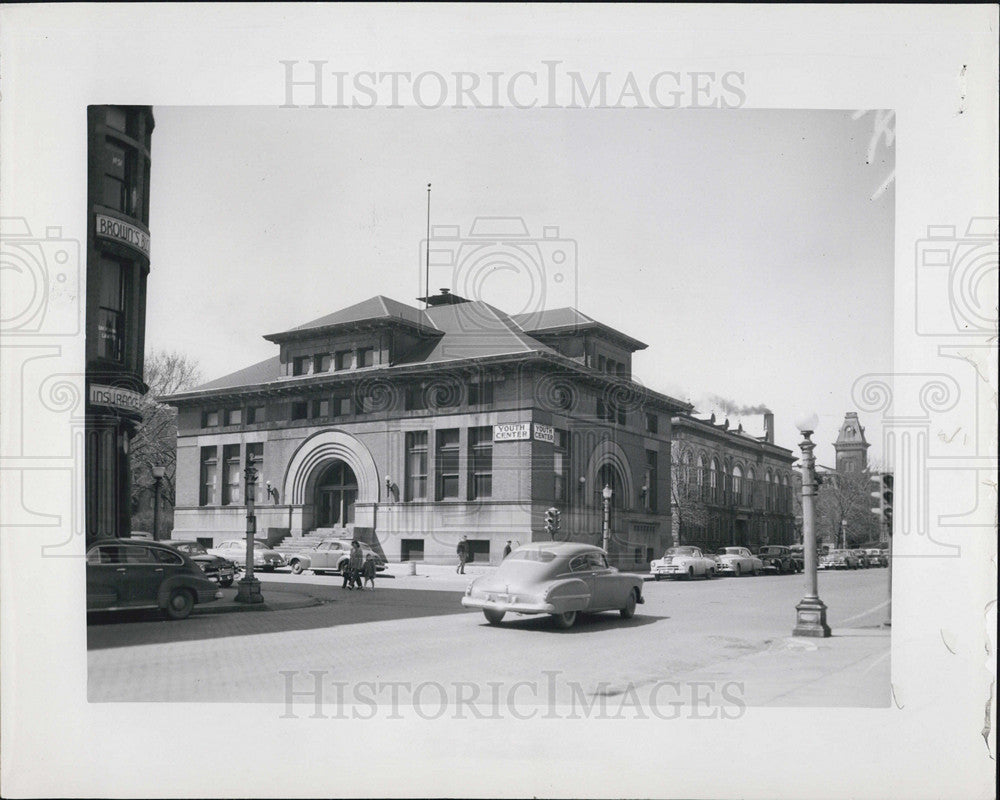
<point>506,550</point>
<point>368,571</point>
<point>463,555</point>
<point>356,563</point>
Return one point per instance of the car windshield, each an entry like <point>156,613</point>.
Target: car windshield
<point>530,554</point>
<point>193,548</point>
<point>682,551</point>
<point>729,551</point>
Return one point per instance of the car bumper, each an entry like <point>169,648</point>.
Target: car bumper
<point>669,570</point>
<point>726,569</point>
<point>506,605</point>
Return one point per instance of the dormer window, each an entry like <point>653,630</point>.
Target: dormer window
<point>343,360</point>
<point>301,365</point>
<point>366,356</point>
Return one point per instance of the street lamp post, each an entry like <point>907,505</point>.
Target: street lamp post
<point>248,589</point>
<point>606,494</point>
<point>158,473</point>
<point>810,611</point>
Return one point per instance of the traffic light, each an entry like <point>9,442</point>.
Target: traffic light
<point>883,494</point>
<point>250,473</point>
<point>552,522</point>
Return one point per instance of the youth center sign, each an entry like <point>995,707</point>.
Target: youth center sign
<point>521,432</point>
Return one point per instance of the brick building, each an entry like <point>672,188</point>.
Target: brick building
<point>410,427</point>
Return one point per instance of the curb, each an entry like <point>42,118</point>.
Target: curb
<point>232,607</point>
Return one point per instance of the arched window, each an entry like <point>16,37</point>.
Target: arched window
<point>768,491</point>
<point>688,474</point>
<point>751,486</point>
<point>713,478</point>
<point>701,470</point>
<point>738,485</point>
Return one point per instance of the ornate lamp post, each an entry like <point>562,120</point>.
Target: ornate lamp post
<point>158,473</point>
<point>606,494</point>
<point>248,589</point>
<point>811,611</point>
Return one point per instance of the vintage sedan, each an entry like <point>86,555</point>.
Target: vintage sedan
<point>216,568</point>
<point>877,557</point>
<point>683,562</point>
<point>862,558</point>
<point>558,578</point>
<point>838,559</point>
<point>129,574</point>
<point>235,550</point>
<point>777,557</point>
<point>330,555</point>
<point>738,561</point>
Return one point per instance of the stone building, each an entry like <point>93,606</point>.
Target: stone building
<point>410,427</point>
<point>730,487</point>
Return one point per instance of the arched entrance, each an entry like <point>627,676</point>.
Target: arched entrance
<point>335,494</point>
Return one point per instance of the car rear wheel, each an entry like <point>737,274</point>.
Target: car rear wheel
<point>296,567</point>
<point>180,604</point>
<point>629,610</point>
<point>710,573</point>
<point>690,573</point>
<point>493,616</point>
<point>737,570</point>
<point>565,620</point>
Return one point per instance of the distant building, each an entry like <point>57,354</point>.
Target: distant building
<point>410,427</point>
<point>730,487</point>
<point>851,446</point>
<point>118,160</point>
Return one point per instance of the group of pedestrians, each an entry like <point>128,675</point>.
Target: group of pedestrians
<point>360,569</point>
<point>464,550</point>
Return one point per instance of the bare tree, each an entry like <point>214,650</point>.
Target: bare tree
<point>844,506</point>
<point>155,441</point>
<point>687,498</point>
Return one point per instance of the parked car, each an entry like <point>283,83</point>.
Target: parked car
<point>686,562</point>
<point>557,578</point>
<point>778,557</point>
<point>738,561</point>
<point>862,558</point>
<point>128,574</point>
<point>216,568</point>
<point>236,551</point>
<point>331,555</point>
<point>838,559</point>
<point>877,557</point>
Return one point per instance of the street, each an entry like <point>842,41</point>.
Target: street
<point>711,642</point>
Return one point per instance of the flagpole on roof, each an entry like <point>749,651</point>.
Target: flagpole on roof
<point>427,255</point>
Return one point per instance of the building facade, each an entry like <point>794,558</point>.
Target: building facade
<point>730,487</point>
<point>851,446</point>
<point>411,427</point>
<point>118,156</point>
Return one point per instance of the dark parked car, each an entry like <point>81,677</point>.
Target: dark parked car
<point>129,574</point>
<point>216,568</point>
<point>778,558</point>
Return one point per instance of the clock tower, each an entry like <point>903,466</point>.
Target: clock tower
<point>851,445</point>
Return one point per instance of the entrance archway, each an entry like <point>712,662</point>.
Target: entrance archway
<point>335,494</point>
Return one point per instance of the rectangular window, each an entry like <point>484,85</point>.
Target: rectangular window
<point>416,465</point>
<point>480,463</point>
<point>301,365</point>
<point>560,465</point>
<point>343,360</point>
<point>117,118</point>
<point>650,484</point>
<point>601,364</point>
<point>234,416</point>
<point>341,406</point>
<point>209,468</point>
<point>119,177</point>
<point>366,356</point>
<point>411,550</point>
<point>479,550</point>
<point>300,409</point>
<point>446,463</point>
<point>256,449</point>
<point>209,419</point>
<point>233,471</point>
<point>320,408</point>
<point>256,415</point>
<point>481,394</point>
<point>111,310</point>
<point>652,423</point>
<point>322,362</point>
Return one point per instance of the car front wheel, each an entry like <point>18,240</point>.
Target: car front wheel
<point>565,620</point>
<point>296,567</point>
<point>180,604</point>
<point>737,571</point>
<point>629,610</point>
<point>493,616</point>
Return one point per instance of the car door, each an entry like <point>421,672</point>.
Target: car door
<point>322,556</point>
<point>106,576</point>
<point>143,576</point>
<point>581,569</point>
<point>608,591</point>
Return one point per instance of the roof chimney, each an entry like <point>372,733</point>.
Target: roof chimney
<point>769,427</point>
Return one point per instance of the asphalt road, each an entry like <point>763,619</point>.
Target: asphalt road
<point>412,635</point>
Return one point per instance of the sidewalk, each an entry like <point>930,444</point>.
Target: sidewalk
<point>276,598</point>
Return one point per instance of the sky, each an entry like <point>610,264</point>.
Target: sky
<point>750,249</point>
